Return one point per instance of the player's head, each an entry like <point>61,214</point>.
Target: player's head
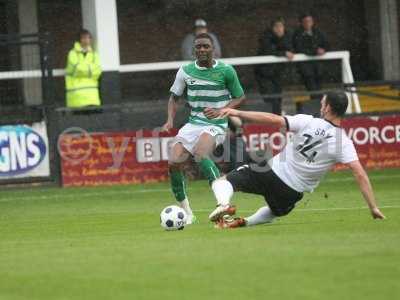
<point>307,21</point>
<point>203,47</point>
<point>334,104</point>
<point>85,38</point>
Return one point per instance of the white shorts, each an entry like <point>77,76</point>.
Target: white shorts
<point>189,135</point>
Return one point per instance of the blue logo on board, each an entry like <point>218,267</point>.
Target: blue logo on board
<point>21,150</point>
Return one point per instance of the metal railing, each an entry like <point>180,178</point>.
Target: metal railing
<point>343,56</point>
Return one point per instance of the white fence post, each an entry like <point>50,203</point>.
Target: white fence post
<point>347,76</point>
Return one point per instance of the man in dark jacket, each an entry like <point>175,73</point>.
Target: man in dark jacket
<point>309,40</point>
<point>274,41</point>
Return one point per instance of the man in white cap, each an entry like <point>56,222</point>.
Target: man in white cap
<point>200,26</point>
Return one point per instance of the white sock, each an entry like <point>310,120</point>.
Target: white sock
<point>261,216</point>
<point>186,206</point>
<point>223,191</point>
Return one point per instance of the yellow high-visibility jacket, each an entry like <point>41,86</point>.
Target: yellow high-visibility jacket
<point>82,77</point>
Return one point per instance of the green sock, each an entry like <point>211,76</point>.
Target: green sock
<point>209,169</point>
<point>178,184</point>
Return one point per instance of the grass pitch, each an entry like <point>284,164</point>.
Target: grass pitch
<point>106,243</point>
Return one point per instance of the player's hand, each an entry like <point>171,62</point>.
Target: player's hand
<point>212,113</point>
<point>228,112</point>
<point>377,214</point>
<point>168,126</point>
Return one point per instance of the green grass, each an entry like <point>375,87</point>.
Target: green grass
<point>106,243</point>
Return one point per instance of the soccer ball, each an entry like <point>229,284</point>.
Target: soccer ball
<point>173,218</point>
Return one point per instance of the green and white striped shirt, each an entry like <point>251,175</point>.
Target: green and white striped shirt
<point>207,87</point>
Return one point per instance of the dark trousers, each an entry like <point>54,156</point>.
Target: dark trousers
<point>311,75</point>
<point>269,79</point>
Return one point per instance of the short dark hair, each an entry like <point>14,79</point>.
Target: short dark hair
<point>277,20</point>
<point>83,32</point>
<point>204,36</point>
<point>338,102</point>
<point>305,15</point>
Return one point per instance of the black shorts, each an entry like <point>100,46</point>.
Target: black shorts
<point>261,180</point>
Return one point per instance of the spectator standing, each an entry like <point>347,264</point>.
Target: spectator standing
<point>82,73</point>
<point>200,26</point>
<point>274,41</point>
<point>309,40</point>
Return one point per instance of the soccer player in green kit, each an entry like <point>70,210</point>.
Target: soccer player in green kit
<point>209,84</point>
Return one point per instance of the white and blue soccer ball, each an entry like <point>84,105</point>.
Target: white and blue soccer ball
<point>173,218</point>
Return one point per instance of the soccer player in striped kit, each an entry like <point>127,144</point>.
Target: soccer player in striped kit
<point>209,84</point>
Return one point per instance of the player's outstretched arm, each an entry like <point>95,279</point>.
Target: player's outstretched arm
<point>366,189</point>
<point>236,102</point>
<point>213,113</point>
<point>172,108</point>
<point>252,116</point>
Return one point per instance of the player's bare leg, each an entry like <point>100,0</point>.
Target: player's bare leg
<point>204,147</point>
<point>202,152</point>
<point>178,156</point>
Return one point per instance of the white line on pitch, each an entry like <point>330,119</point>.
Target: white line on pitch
<point>84,195</point>
<point>351,178</point>
<point>130,192</point>
<point>314,209</point>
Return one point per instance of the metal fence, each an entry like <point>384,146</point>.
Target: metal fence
<point>25,70</point>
